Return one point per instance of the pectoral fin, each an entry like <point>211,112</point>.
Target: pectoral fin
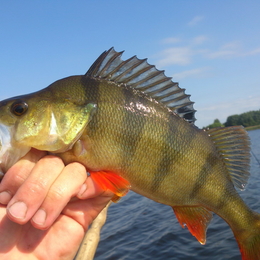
<point>111,181</point>
<point>196,219</point>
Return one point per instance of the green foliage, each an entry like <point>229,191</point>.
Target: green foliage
<point>251,118</point>
<point>215,124</point>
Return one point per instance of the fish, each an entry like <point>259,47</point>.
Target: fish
<point>132,127</point>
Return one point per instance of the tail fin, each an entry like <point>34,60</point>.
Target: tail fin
<point>249,241</point>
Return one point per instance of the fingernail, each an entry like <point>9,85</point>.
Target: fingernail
<point>39,217</point>
<point>82,189</point>
<point>5,197</point>
<point>18,210</point>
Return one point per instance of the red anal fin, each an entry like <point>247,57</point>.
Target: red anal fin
<point>111,181</point>
<point>196,219</point>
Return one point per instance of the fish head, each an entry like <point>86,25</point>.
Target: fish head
<point>51,119</point>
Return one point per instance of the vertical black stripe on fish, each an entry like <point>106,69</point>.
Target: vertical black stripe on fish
<point>229,188</point>
<point>132,125</point>
<point>165,161</point>
<point>92,94</point>
<point>174,148</point>
<point>204,175</point>
<point>178,131</point>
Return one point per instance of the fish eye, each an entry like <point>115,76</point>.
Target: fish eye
<point>18,108</point>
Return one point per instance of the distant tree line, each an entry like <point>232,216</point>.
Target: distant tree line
<point>216,123</point>
<point>251,118</point>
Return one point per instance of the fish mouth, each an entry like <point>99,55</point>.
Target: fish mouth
<point>5,145</point>
<point>10,152</point>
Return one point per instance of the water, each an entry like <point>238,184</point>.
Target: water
<point>140,229</point>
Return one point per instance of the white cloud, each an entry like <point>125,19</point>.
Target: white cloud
<point>184,54</point>
<point>195,20</point>
<point>206,115</point>
<point>171,40</point>
<point>194,41</point>
<point>199,72</point>
<point>254,52</point>
<point>199,39</point>
<point>231,50</point>
<point>180,55</point>
<point>175,55</point>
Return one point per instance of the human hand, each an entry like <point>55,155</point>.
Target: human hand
<point>46,208</point>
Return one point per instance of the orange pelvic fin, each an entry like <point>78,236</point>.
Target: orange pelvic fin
<point>196,219</point>
<point>111,181</point>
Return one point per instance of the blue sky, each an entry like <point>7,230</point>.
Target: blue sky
<point>212,48</point>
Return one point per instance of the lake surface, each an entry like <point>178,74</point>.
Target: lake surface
<point>140,229</point>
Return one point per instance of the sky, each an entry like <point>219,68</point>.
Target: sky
<point>212,48</point>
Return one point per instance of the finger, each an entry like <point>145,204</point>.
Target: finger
<point>91,190</point>
<point>66,186</point>
<point>26,242</point>
<point>33,191</point>
<point>17,174</point>
<point>85,211</point>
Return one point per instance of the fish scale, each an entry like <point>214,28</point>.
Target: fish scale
<point>158,134</point>
<point>133,127</point>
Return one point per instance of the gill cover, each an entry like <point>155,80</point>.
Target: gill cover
<point>57,129</point>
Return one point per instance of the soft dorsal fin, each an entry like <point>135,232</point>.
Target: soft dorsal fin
<point>234,145</point>
<point>144,77</point>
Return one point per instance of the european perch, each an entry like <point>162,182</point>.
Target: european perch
<point>132,127</point>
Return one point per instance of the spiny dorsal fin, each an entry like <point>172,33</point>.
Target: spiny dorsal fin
<point>144,77</point>
<point>234,145</point>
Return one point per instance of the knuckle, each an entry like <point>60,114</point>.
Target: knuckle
<point>36,186</point>
<point>77,169</point>
<point>57,194</point>
<point>18,178</point>
<point>51,161</point>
